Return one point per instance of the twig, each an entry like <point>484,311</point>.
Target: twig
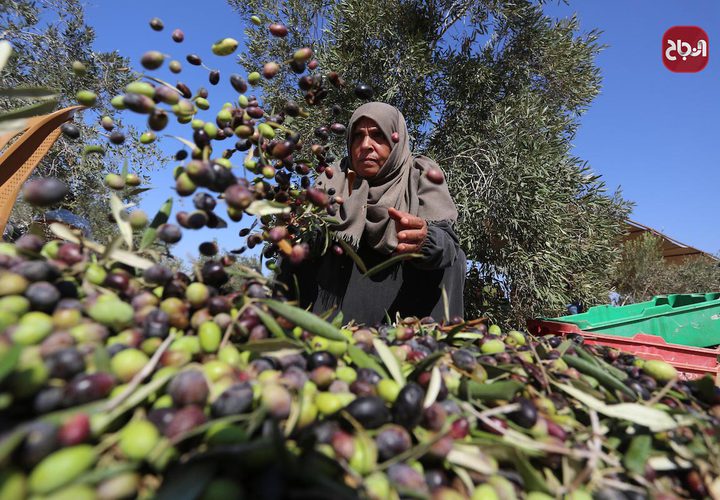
<point>661,393</point>
<point>140,376</point>
<point>596,447</point>
<point>229,329</point>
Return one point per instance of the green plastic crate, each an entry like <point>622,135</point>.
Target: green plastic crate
<point>685,319</point>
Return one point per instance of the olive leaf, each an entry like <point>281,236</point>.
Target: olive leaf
<point>270,345</point>
<point>35,109</point>
<point>9,360</point>
<point>433,387</point>
<point>390,262</point>
<point>187,480</point>
<point>23,92</point>
<point>533,480</point>
<point>390,361</point>
<point>363,360</point>
<point>470,457</point>
<point>270,323</point>
<point>117,207</point>
<point>305,320</point>
<point>652,418</point>
<point>503,389</point>
<point>353,255</point>
<point>161,217</point>
<point>638,453</point>
<point>261,208</point>
<point>8,126</point>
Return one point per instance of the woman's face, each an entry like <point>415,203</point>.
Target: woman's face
<point>368,148</point>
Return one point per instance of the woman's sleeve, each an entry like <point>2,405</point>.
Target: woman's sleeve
<point>440,248</point>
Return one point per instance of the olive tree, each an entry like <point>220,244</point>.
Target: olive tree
<point>493,90</point>
<point>47,36</point>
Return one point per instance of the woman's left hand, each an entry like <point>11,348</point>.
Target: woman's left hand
<point>411,231</point>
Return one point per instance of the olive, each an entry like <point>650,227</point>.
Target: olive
<point>42,296</point>
<point>86,388</point>
<point>278,30</point>
<point>70,130</point>
<point>156,24</point>
<point>156,324</point>
<point>189,388</point>
<point>169,233</point>
<point>238,83</point>
<point>407,409</point>
<point>41,440</point>
<point>369,411</point>
<point>44,192</point>
<point>214,274</point>
<point>321,358</point>
<point>185,420</point>
<point>234,400</point>
<point>65,363</point>
<point>526,415</point>
<point>392,440</point>
<point>363,91</point>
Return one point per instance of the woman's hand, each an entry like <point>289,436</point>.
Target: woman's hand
<point>411,231</point>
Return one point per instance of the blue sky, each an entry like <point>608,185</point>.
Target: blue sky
<point>651,132</point>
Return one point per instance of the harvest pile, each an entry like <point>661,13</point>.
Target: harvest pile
<point>120,378</point>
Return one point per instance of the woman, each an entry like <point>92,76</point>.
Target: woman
<point>390,207</point>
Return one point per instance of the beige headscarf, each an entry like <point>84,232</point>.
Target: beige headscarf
<point>401,183</point>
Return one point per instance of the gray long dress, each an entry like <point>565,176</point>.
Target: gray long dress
<point>411,288</point>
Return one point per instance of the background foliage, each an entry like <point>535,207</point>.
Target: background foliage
<point>642,273</point>
<point>47,36</point>
<point>493,91</point>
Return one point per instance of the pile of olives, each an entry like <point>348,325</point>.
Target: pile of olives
<point>121,378</point>
<point>117,382</point>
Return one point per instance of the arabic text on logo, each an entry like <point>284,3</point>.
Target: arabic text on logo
<point>685,49</point>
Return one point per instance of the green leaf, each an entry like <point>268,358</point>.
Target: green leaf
<point>137,191</point>
<point>131,259</point>
<point>161,217</point>
<point>600,374</point>
<point>534,481</point>
<point>35,109</point>
<point>261,208</point>
<point>116,206</point>
<point>189,144</point>
<point>353,255</point>
<point>10,442</point>
<point>187,480</point>
<point>101,359</point>
<point>29,93</point>
<point>390,361</point>
<point>503,389</point>
<point>426,363</point>
<point>305,320</point>
<point>270,323</point>
<point>390,262</point>
<point>337,321</point>
<point>140,394</point>
<point>652,418</point>
<point>124,169</point>
<point>638,453</point>
<point>12,126</point>
<point>472,458</point>
<point>363,360</point>
<point>270,345</point>
<point>9,360</point>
